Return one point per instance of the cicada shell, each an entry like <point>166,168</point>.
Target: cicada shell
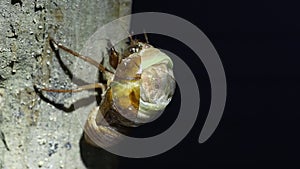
<point>140,89</point>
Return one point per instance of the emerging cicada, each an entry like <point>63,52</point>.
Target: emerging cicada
<point>137,91</point>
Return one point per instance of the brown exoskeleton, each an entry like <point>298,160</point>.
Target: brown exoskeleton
<point>141,87</point>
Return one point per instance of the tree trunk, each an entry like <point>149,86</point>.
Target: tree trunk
<point>38,129</point>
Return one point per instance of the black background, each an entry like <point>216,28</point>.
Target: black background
<point>258,43</point>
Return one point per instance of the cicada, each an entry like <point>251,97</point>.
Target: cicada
<point>138,89</point>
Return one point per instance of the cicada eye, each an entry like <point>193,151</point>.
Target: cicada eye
<point>137,49</point>
<point>132,50</point>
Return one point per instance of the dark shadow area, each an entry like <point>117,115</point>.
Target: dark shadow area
<point>95,158</point>
<point>80,103</point>
<point>56,105</point>
<point>66,70</point>
<point>13,2</point>
<point>258,44</point>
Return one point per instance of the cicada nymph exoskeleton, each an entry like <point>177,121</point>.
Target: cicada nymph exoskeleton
<point>137,91</point>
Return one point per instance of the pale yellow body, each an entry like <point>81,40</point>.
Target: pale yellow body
<point>140,89</point>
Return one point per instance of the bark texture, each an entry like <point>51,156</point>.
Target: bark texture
<point>42,130</point>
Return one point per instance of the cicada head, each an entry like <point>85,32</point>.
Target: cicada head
<point>143,84</point>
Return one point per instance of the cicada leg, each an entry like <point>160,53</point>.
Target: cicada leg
<point>85,58</point>
<point>113,57</point>
<point>78,89</point>
<point>146,37</point>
